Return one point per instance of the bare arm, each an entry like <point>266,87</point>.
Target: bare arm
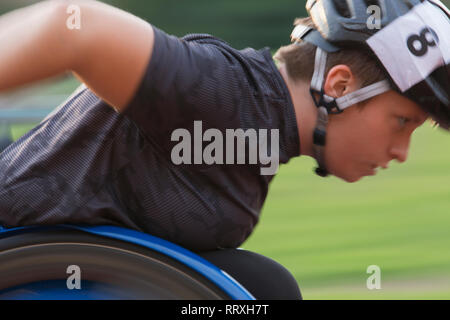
<point>109,53</point>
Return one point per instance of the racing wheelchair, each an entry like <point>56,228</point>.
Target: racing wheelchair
<point>36,263</point>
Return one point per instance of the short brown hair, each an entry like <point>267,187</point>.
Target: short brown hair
<point>299,60</point>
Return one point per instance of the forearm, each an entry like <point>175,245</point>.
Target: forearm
<point>33,45</point>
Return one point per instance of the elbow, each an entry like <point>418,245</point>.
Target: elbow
<point>64,27</point>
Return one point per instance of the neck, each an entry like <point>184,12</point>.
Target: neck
<point>305,111</point>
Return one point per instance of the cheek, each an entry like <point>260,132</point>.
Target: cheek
<point>352,143</point>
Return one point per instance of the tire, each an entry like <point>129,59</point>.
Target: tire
<point>34,266</point>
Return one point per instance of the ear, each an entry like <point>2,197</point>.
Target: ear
<point>340,81</point>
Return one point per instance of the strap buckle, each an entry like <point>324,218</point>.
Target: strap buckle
<point>331,105</point>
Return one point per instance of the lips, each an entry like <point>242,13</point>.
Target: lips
<point>373,168</point>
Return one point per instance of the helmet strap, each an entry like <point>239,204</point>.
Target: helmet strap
<point>320,100</point>
<point>319,141</point>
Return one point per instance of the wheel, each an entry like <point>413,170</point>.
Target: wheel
<point>35,266</point>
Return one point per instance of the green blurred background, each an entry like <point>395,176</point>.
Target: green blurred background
<point>325,231</point>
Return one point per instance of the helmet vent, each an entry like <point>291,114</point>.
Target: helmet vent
<point>342,8</point>
<point>372,3</point>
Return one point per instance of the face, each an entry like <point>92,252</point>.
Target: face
<point>360,140</point>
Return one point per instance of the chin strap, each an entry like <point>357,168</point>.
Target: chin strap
<point>319,140</point>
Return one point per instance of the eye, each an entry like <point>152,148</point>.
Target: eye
<point>403,121</point>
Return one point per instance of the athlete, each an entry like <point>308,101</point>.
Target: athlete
<point>349,92</point>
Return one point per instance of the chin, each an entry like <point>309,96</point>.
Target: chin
<point>349,179</point>
<point>348,176</point>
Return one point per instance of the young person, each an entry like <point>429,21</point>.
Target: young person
<point>106,155</point>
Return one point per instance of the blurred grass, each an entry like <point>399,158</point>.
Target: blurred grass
<point>327,232</point>
<point>19,130</point>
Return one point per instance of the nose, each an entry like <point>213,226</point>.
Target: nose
<point>399,150</point>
